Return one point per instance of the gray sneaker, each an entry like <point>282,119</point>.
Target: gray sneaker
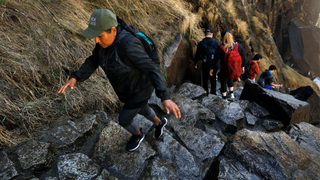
<point>159,129</point>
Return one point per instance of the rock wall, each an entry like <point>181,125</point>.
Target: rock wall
<point>293,26</point>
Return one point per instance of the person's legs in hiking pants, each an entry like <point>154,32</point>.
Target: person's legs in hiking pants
<point>205,69</point>
<point>224,81</point>
<point>126,117</point>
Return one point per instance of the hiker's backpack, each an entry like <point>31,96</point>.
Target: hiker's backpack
<point>246,75</point>
<point>209,50</point>
<point>147,42</point>
<point>233,62</point>
<point>262,80</point>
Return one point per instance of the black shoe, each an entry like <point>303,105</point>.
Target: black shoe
<point>159,128</point>
<point>135,141</point>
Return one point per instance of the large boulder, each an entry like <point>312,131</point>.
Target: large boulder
<point>192,91</point>
<point>34,154</point>
<point>189,107</point>
<point>231,113</point>
<point>176,60</point>
<point>302,93</point>
<point>67,132</point>
<point>308,137</point>
<point>183,161</point>
<point>110,152</point>
<point>204,147</point>
<point>272,156</point>
<point>283,107</point>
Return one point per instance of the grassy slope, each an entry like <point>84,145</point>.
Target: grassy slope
<point>40,46</point>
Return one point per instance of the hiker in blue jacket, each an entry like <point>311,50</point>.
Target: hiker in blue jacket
<point>201,54</point>
<point>133,77</point>
<point>267,77</point>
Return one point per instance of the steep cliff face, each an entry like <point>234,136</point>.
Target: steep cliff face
<point>293,26</point>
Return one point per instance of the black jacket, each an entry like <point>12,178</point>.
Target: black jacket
<point>200,53</point>
<point>219,54</point>
<point>131,83</point>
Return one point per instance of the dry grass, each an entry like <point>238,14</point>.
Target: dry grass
<point>40,46</point>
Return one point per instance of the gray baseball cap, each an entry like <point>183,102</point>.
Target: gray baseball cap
<point>100,20</point>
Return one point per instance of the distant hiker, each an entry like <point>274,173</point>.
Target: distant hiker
<point>133,77</point>
<point>232,61</point>
<point>252,68</point>
<point>205,52</point>
<point>266,79</point>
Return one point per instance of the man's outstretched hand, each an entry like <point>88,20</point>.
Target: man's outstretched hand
<point>70,83</point>
<point>171,106</point>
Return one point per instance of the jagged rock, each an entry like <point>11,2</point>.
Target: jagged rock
<point>176,59</point>
<point>34,154</point>
<point>159,169</point>
<point>251,119</point>
<point>192,91</point>
<point>308,137</point>
<point>205,147</point>
<point>65,133</point>
<point>257,110</point>
<point>189,107</point>
<point>283,107</point>
<point>110,152</point>
<point>76,166</point>
<point>271,155</point>
<point>302,93</point>
<point>7,169</point>
<point>105,175</point>
<point>315,109</point>
<point>272,125</point>
<point>228,112</point>
<point>230,169</point>
<point>184,162</point>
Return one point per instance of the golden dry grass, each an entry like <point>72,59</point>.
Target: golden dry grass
<point>40,46</point>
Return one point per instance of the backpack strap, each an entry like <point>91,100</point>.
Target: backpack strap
<point>223,48</point>
<point>204,44</point>
<point>270,73</point>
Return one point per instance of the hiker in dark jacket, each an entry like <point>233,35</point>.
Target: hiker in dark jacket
<point>201,55</point>
<point>227,42</point>
<point>268,78</point>
<point>133,84</point>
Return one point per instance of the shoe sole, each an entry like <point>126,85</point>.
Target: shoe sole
<point>137,145</point>
<point>162,128</point>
